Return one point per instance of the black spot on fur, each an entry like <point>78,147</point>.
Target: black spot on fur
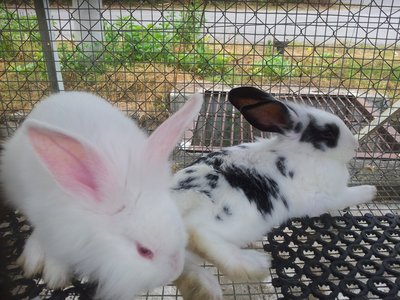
<point>212,180</point>
<point>284,202</point>
<point>291,174</point>
<point>220,153</point>
<point>187,181</point>
<point>259,189</point>
<point>186,184</point>
<point>320,136</point>
<point>212,177</point>
<point>198,161</point>
<point>227,210</point>
<point>214,159</point>
<point>218,218</point>
<point>281,165</point>
<point>298,127</point>
<point>189,171</point>
<point>216,163</point>
<point>242,146</point>
<point>205,192</point>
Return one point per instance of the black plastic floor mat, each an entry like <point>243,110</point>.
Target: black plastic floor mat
<point>337,257</point>
<point>13,232</point>
<point>313,258</point>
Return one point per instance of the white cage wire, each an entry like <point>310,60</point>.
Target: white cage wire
<point>148,57</point>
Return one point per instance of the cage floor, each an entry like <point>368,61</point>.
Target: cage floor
<point>351,254</point>
<point>221,125</point>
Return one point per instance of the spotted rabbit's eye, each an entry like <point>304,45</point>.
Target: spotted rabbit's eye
<point>144,252</point>
<point>328,135</point>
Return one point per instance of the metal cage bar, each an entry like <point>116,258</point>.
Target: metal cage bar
<point>148,57</point>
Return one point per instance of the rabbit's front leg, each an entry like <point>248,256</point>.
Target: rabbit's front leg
<point>196,283</point>
<point>34,260</point>
<point>55,274</point>
<point>234,262</point>
<point>358,195</point>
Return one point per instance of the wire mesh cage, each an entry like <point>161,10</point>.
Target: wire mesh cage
<point>148,57</point>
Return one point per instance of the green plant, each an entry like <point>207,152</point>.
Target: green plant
<point>395,73</point>
<point>76,58</point>
<point>177,41</point>
<point>203,61</point>
<point>126,41</point>
<point>190,46</point>
<point>20,44</point>
<point>187,25</point>
<point>36,69</point>
<point>18,34</point>
<point>276,67</point>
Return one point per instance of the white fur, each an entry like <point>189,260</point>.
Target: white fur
<point>77,234</point>
<point>319,184</point>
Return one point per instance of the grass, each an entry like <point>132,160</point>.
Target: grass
<point>326,67</point>
<point>138,65</point>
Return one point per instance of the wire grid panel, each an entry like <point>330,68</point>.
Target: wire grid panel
<point>147,57</point>
<point>139,55</point>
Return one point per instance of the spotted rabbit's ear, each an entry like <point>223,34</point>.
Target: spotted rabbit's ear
<point>261,109</point>
<point>163,140</point>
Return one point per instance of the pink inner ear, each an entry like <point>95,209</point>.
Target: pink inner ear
<point>75,167</point>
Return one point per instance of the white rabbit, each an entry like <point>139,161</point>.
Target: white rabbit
<point>96,190</point>
<point>233,197</point>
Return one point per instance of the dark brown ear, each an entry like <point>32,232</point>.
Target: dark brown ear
<point>261,109</point>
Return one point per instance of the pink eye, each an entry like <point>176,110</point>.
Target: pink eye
<point>144,252</point>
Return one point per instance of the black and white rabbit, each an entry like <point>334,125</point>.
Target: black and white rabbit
<point>234,196</point>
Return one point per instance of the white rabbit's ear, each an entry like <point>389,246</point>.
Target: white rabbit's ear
<point>75,166</point>
<point>163,140</point>
<point>261,109</point>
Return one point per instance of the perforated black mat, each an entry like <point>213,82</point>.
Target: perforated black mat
<point>313,258</point>
<point>337,257</point>
<point>13,232</point>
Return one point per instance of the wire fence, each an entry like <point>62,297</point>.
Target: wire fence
<point>143,56</point>
<point>148,57</point>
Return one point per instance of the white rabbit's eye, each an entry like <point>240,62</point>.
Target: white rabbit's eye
<point>144,252</point>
